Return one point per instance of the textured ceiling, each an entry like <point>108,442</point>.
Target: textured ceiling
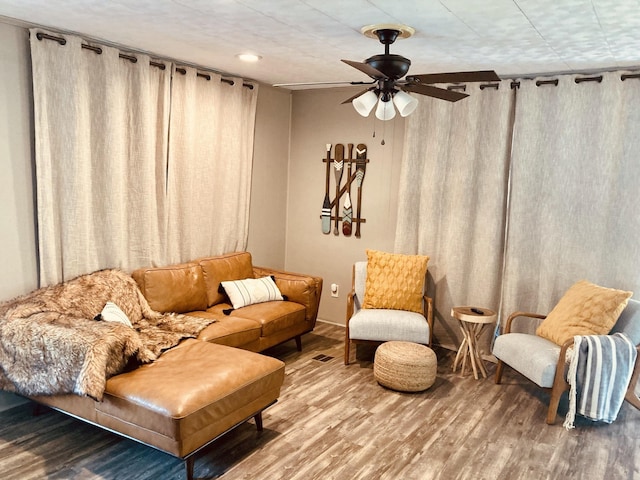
<point>304,40</point>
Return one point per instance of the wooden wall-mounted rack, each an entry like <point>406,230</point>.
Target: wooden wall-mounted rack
<point>356,167</point>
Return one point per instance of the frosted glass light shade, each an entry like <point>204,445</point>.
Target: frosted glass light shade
<point>365,103</point>
<point>385,110</point>
<point>405,103</point>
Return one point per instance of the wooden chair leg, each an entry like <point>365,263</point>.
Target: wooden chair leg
<point>560,384</point>
<point>632,398</point>
<point>347,349</point>
<point>554,401</point>
<point>299,343</point>
<point>499,370</point>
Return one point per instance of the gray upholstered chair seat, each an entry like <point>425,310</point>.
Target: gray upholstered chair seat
<point>534,357</point>
<point>384,325</point>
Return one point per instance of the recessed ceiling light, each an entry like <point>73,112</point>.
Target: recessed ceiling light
<point>248,57</point>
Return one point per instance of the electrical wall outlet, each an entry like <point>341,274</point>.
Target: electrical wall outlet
<point>335,289</point>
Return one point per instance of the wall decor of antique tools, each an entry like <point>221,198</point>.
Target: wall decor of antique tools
<point>355,168</point>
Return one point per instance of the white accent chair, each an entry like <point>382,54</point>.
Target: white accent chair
<point>543,362</point>
<point>381,325</point>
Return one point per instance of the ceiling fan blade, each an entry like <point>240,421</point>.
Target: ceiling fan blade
<point>430,91</point>
<point>350,99</point>
<point>308,84</point>
<point>453,77</point>
<point>311,84</point>
<point>366,68</point>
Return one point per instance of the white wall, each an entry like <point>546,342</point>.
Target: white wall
<point>17,235</point>
<point>318,118</point>
<point>268,210</point>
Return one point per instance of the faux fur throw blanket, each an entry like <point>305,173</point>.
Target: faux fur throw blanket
<point>600,369</point>
<point>50,343</point>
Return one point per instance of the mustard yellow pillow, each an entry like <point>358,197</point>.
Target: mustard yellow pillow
<point>395,281</point>
<point>585,309</point>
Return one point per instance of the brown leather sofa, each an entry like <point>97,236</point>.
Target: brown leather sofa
<point>193,289</point>
<point>196,392</point>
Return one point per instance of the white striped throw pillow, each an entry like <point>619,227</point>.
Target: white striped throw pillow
<point>251,290</point>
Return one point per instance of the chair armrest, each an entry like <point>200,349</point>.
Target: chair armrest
<point>507,327</point>
<point>631,396</point>
<point>560,383</point>
<point>562,359</point>
<point>428,313</point>
<point>350,301</point>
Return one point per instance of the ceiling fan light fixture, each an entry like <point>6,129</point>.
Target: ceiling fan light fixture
<point>405,103</point>
<point>385,110</point>
<point>365,103</point>
<point>388,71</point>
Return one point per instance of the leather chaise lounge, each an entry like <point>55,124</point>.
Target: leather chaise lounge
<point>190,396</point>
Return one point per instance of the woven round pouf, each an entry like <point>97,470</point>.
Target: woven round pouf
<point>405,366</point>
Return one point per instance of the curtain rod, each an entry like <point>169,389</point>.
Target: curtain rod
<point>578,80</point>
<point>183,71</point>
<point>133,59</point>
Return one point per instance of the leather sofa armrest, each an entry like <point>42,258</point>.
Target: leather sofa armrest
<point>297,287</point>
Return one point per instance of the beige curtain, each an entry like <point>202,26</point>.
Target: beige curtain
<point>210,161</point>
<point>452,197</point>
<point>571,179</point>
<point>101,149</point>
<point>575,201</point>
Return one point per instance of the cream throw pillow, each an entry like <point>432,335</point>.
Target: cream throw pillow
<point>395,281</point>
<point>585,309</point>
<point>112,313</point>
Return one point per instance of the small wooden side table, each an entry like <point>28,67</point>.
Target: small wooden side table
<point>473,321</point>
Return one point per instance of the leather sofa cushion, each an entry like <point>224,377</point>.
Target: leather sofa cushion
<point>192,393</point>
<point>231,266</point>
<point>272,316</point>
<point>230,331</point>
<point>176,288</point>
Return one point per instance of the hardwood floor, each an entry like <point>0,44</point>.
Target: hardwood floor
<point>336,422</point>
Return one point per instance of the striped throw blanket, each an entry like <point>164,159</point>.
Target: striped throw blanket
<point>600,369</point>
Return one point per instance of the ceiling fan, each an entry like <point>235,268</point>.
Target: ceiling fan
<point>387,72</point>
